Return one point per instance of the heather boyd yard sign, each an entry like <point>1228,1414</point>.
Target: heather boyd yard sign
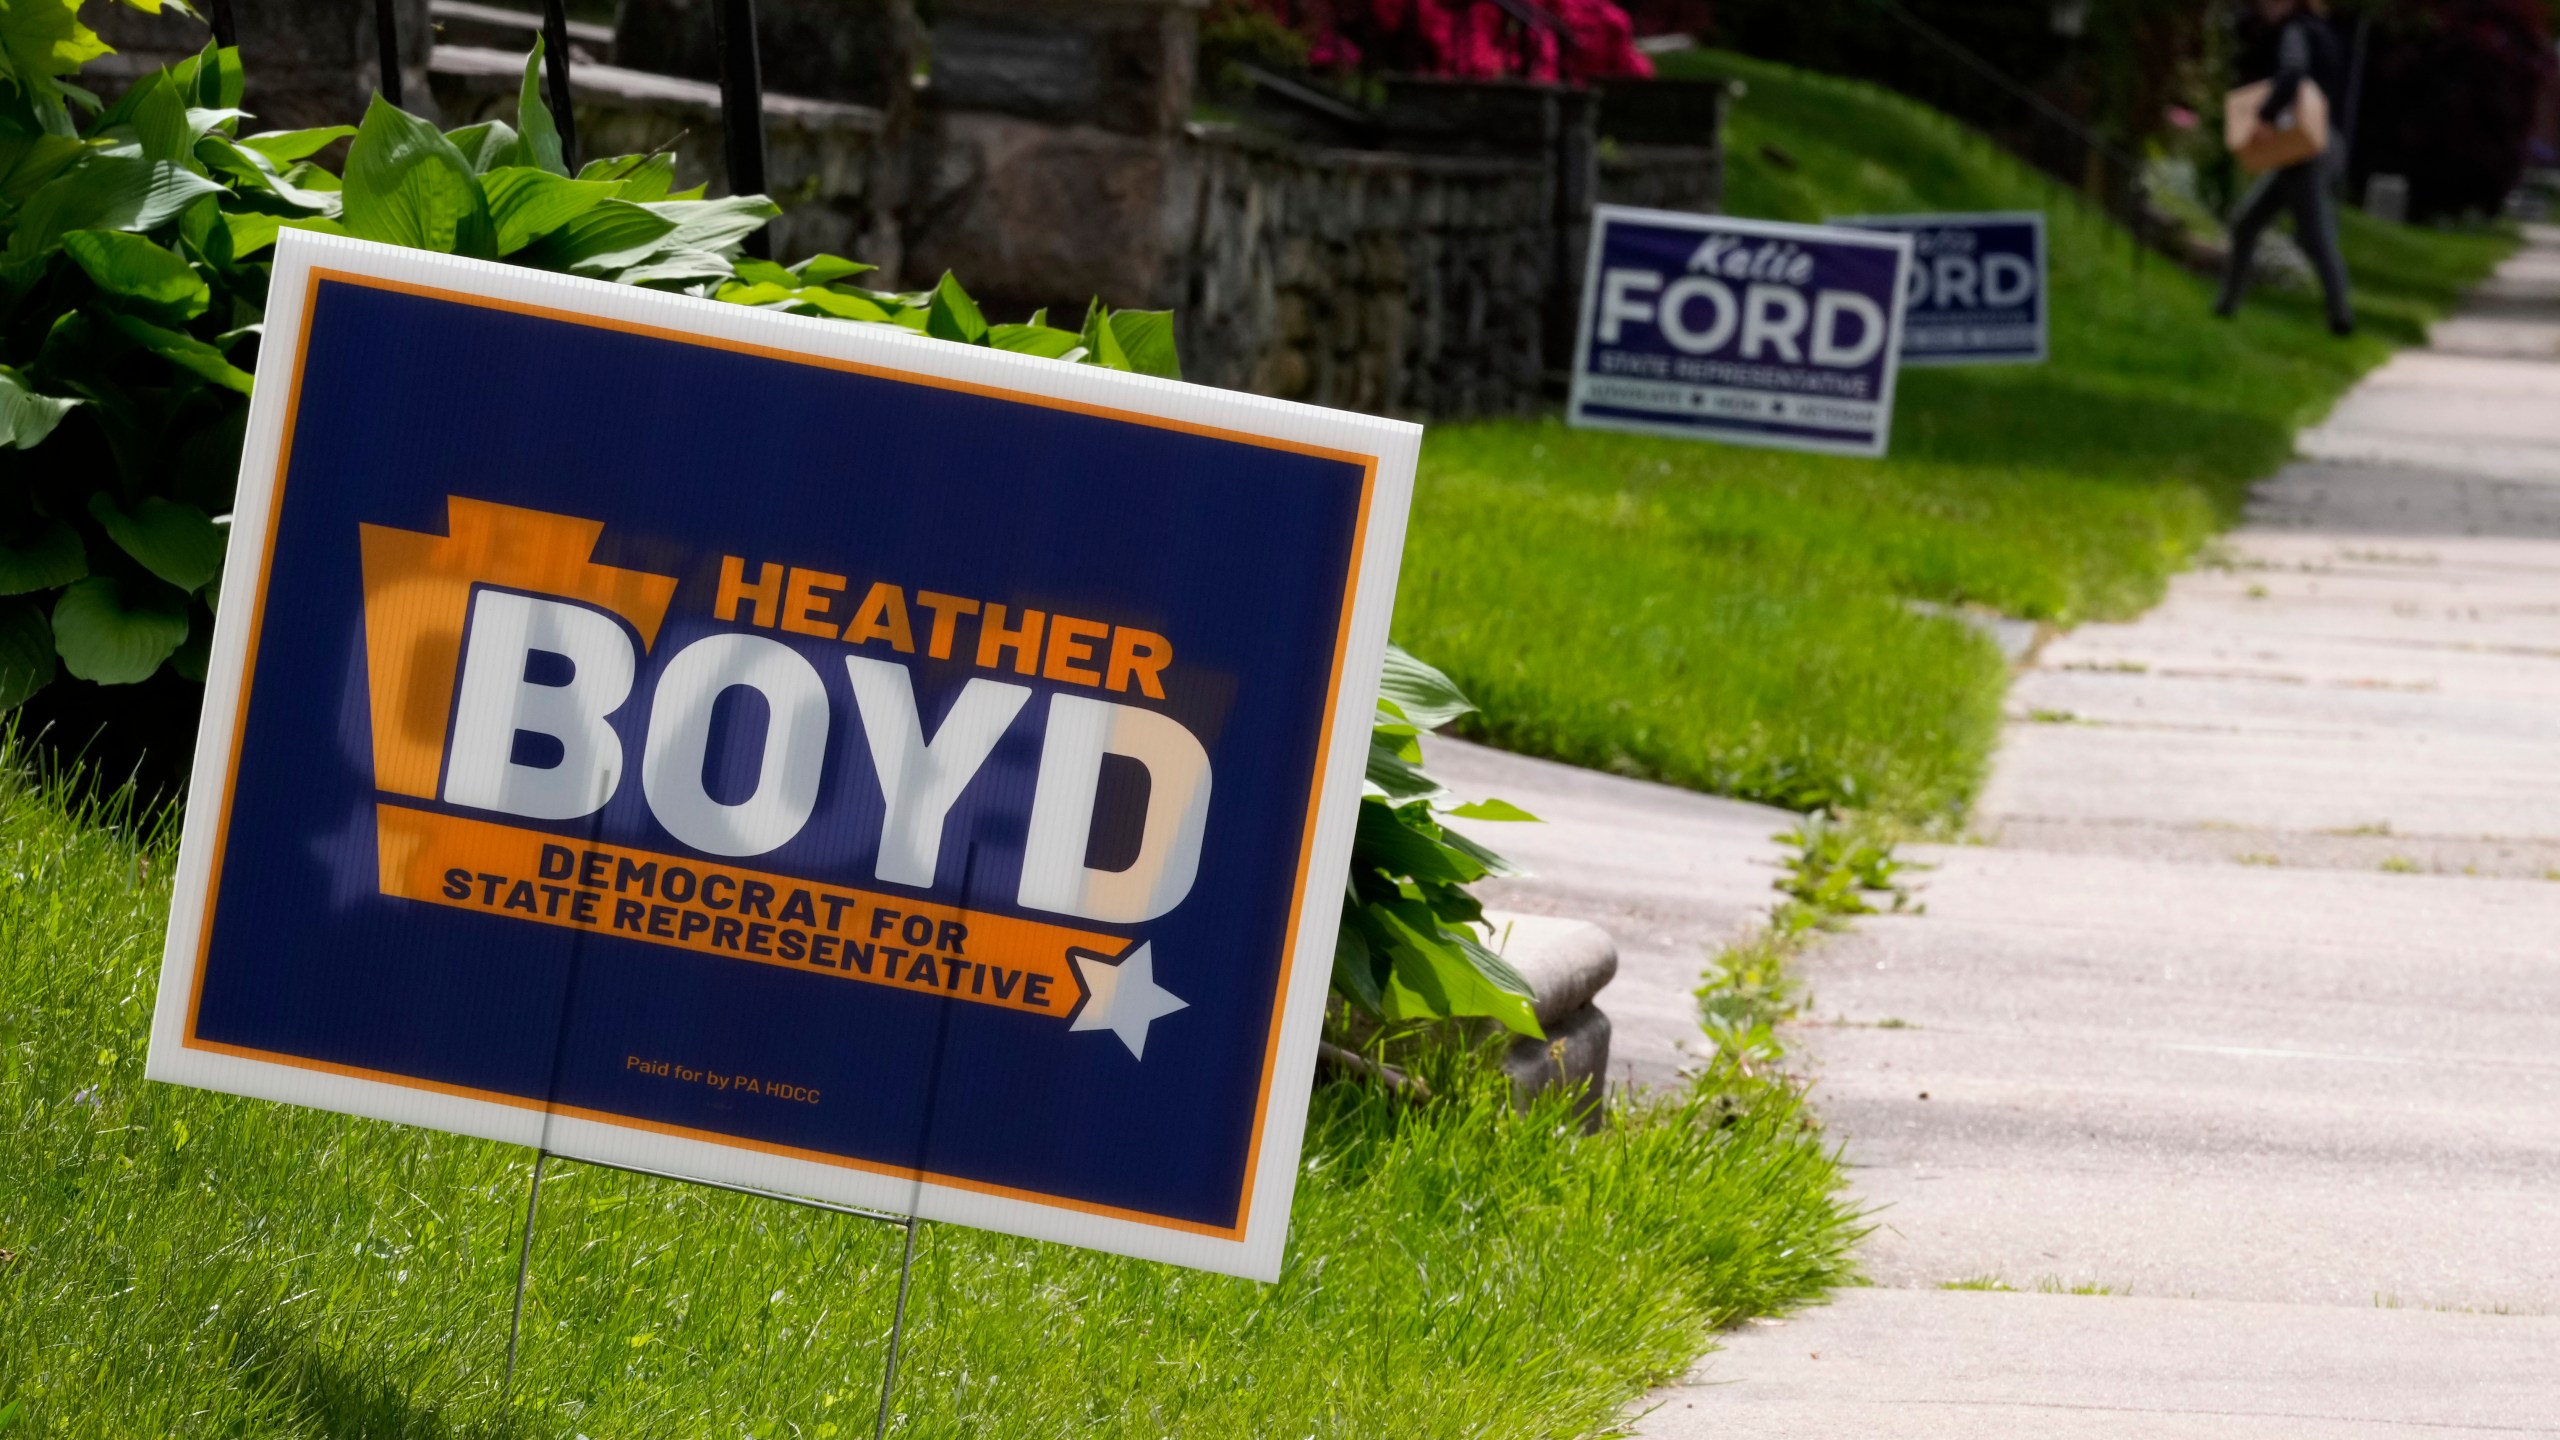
<point>782,752</point>
<point>1745,331</point>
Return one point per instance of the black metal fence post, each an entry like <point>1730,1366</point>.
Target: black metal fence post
<point>555,76</point>
<point>742,108</point>
<point>226,31</point>
<point>386,34</point>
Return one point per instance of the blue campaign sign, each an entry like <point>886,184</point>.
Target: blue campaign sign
<point>1745,331</point>
<point>1979,293</point>
<point>782,752</point>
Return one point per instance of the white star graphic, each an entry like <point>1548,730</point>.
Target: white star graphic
<point>1124,998</point>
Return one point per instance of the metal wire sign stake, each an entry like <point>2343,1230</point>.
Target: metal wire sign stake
<point>906,1260</point>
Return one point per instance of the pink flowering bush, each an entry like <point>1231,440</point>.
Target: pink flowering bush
<point>1466,39</point>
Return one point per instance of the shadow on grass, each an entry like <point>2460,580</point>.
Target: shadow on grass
<point>348,1402</point>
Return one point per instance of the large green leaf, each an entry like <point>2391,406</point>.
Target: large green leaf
<point>1427,697</point>
<point>642,177</point>
<point>28,161</point>
<point>714,225</point>
<point>158,115</point>
<point>953,315</point>
<point>286,146</point>
<point>1494,865</point>
<point>526,204</point>
<point>828,269</point>
<point>819,300</point>
<point>1355,966</point>
<point>406,185</point>
<point>117,633</point>
<point>1435,976</point>
<point>178,543</point>
<point>1101,342</point>
<point>1045,341</point>
<point>1383,840</point>
<point>1502,810</point>
<point>106,192</point>
<point>212,76</point>
<point>301,186</point>
<point>137,269</point>
<point>253,231</point>
<point>41,41</point>
<point>487,145</point>
<point>25,416</point>
<point>542,148</point>
<point>677,267</point>
<point>610,238</point>
<point>47,559</point>
<point>1396,777</point>
<point>26,652</point>
<point>184,351</point>
<point>1146,338</point>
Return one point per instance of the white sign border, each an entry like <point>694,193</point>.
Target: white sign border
<point>2044,278</point>
<point>1271,1181</point>
<point>1603,215</point>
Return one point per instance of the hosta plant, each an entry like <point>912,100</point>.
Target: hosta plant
<point>1409,949</point>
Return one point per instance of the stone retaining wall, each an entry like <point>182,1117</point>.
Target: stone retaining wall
<point>1380,281</point>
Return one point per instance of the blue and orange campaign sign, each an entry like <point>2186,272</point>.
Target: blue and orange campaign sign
<point>782,752</point>
<point>1751,332</point>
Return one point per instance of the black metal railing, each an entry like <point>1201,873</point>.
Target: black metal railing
<point>741,84</point>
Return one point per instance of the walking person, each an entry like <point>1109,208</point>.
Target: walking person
<point>2288,42</point>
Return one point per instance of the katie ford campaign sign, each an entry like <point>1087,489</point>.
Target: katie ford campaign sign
<point>1746,331</point>
<point>782,752</point>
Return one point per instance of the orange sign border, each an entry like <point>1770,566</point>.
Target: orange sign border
<point>320,277</point>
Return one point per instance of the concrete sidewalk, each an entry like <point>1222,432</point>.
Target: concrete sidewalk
<point>2246,1015</point>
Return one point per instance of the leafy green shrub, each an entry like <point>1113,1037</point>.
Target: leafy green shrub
<point>1408,950</point>
<point>133,275</point>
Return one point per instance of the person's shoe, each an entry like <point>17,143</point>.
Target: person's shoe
<point>2342,326</point>
<point>2225,309</point>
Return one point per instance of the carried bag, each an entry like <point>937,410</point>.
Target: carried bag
<point>2299,134</point>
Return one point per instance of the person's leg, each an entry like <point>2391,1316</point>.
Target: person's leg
<point>2315,225</point>
<point>2260,206</point>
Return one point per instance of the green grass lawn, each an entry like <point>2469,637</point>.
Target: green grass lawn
<point>1738,620</point>
<point>174,1263</point>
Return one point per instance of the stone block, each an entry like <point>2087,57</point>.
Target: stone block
<point>496,27</point>
<point>1123,65</point>
<point>1034,214</point>
<point>1566,962</point>
<point>1575,1055</point>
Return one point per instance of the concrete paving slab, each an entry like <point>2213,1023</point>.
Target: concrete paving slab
<point>2493,417</point>
<point>2294,782</point>
<point>1958,1365</point>
<point>1672,875</point>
